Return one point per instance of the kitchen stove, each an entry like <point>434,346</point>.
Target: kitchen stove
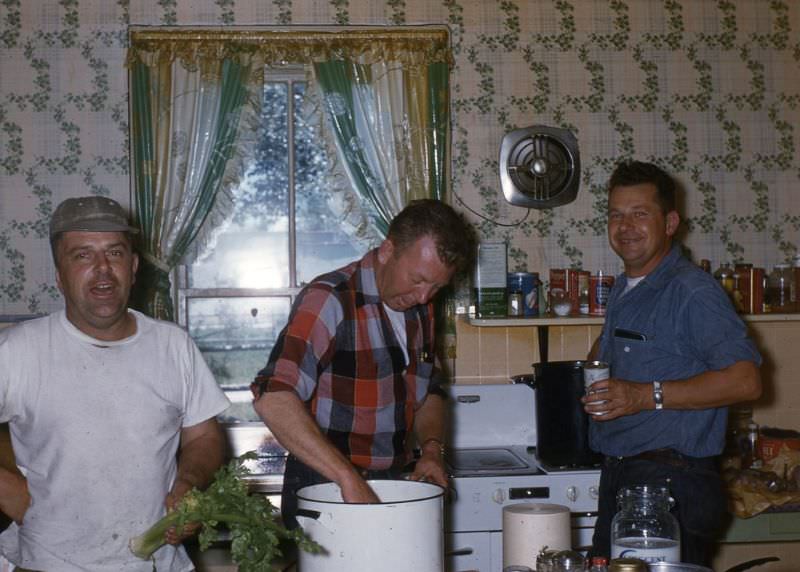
<point>492,462</point>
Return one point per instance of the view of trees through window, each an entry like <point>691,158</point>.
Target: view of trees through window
<point>238,292</point>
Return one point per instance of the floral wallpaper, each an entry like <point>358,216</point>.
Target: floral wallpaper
<point>709,89</point>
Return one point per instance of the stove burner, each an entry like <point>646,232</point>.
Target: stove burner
<point>491,461</point>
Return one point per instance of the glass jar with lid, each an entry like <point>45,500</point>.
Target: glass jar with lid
<point>644,528</point>
<point>568,561</point>
<point>627,565</point>
<point>724,275</point>
<point>778,295</point>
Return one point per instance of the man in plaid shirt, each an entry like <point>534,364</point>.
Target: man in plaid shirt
<point>352,376</point>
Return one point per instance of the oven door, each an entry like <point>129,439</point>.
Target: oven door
<point>474,551</point>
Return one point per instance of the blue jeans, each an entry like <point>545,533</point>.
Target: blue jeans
<point>694,483</point>
<point>298,475</point>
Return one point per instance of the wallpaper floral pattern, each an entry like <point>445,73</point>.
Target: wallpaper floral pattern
<point>707,88</point>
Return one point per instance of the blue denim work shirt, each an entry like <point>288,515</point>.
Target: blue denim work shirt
<point>683,324</point>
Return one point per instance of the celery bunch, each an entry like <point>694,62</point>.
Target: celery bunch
<point>252,520</point>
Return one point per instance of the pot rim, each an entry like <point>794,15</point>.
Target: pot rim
<point>437,494</point>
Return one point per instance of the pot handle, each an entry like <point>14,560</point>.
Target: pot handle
<point>312,514</point>
<point>751,563</point>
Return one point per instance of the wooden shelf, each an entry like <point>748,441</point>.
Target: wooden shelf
<point>551,320</point>
<point>543,320</point>
<point>771,317</point>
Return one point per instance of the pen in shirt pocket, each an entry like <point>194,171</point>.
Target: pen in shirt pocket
<point>629,335</point>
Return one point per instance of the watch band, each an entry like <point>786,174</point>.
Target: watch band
<point>435,441</point>
<point>658,395</point>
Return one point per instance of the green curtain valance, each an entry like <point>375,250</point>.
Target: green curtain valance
<point>410,46</point>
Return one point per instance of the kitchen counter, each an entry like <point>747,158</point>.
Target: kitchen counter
<point>765,527</point>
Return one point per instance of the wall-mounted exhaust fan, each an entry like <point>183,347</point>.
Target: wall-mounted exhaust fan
<point>540,167</point>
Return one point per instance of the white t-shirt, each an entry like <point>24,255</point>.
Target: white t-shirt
<point>632,283</point>
<point>398,320</point>
<point>95,428</point>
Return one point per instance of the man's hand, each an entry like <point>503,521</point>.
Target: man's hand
<point>612,398</point>
<point>172,535</point>
<point>356,490</point>
<point>430,466</point>
<point>15,498</point>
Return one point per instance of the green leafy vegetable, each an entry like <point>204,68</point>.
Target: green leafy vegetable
<point>252,520</point>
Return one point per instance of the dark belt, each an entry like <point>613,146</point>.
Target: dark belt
<point>663,456</point>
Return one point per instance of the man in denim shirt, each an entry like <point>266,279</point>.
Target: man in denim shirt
<point>679,357</point>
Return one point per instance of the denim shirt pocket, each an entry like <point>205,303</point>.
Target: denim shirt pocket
<point>631,359</point>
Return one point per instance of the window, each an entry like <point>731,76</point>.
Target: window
<point>236,296</point>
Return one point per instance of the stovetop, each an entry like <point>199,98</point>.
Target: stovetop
<point>491,461</point>
<point>493,432</point>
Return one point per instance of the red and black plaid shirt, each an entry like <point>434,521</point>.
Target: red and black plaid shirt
<point>340,355</point>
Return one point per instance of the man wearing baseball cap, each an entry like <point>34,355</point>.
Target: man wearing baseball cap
<point>112,414</point>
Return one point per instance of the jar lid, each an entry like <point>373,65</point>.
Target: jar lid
<point>627,565</point>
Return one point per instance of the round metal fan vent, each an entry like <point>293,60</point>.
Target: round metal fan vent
<point>539,167</point>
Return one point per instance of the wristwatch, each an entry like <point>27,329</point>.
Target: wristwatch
<point>435,441</point>
<point>658,395</point>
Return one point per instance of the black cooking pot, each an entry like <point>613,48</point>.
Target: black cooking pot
<point>562,426</point>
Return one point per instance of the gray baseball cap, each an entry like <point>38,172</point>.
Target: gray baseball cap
<point>93,214</point>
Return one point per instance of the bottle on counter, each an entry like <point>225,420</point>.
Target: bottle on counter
<point>644,528</point>
<point>737,451</point>
<point>544,560</point>
<point>778,292</point>
<point>516,304</point>
<point>583,298</point>
<point>568,561</point>
<point>599,564</point>
<point>753,458</point>
<point>724,275</point>
<point>796,282</point>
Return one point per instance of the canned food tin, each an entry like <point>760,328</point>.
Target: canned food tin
<point>558,278</point>
<point>599,288</point>
<point>572,278</point>
<point>595,371</point>
<point>627,565</point>
<point>528,284</point>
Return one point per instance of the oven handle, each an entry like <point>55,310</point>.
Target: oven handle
<point>460,552</point>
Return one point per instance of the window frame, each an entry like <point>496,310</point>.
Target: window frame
<point>290,75</point>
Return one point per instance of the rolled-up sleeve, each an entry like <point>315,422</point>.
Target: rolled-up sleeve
<point>716,331</point>
<point>303,347</point>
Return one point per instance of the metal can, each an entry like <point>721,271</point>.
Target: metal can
<point>528,284</point>
<point>515,304</point>
<point>595,371</point>
<point>599,288</point>
<point>572,277</point>
<point>627,565</point>
<point>558,278</point>
<point>583,291</point>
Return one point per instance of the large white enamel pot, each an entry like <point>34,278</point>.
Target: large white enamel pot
<point>402,532</point>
